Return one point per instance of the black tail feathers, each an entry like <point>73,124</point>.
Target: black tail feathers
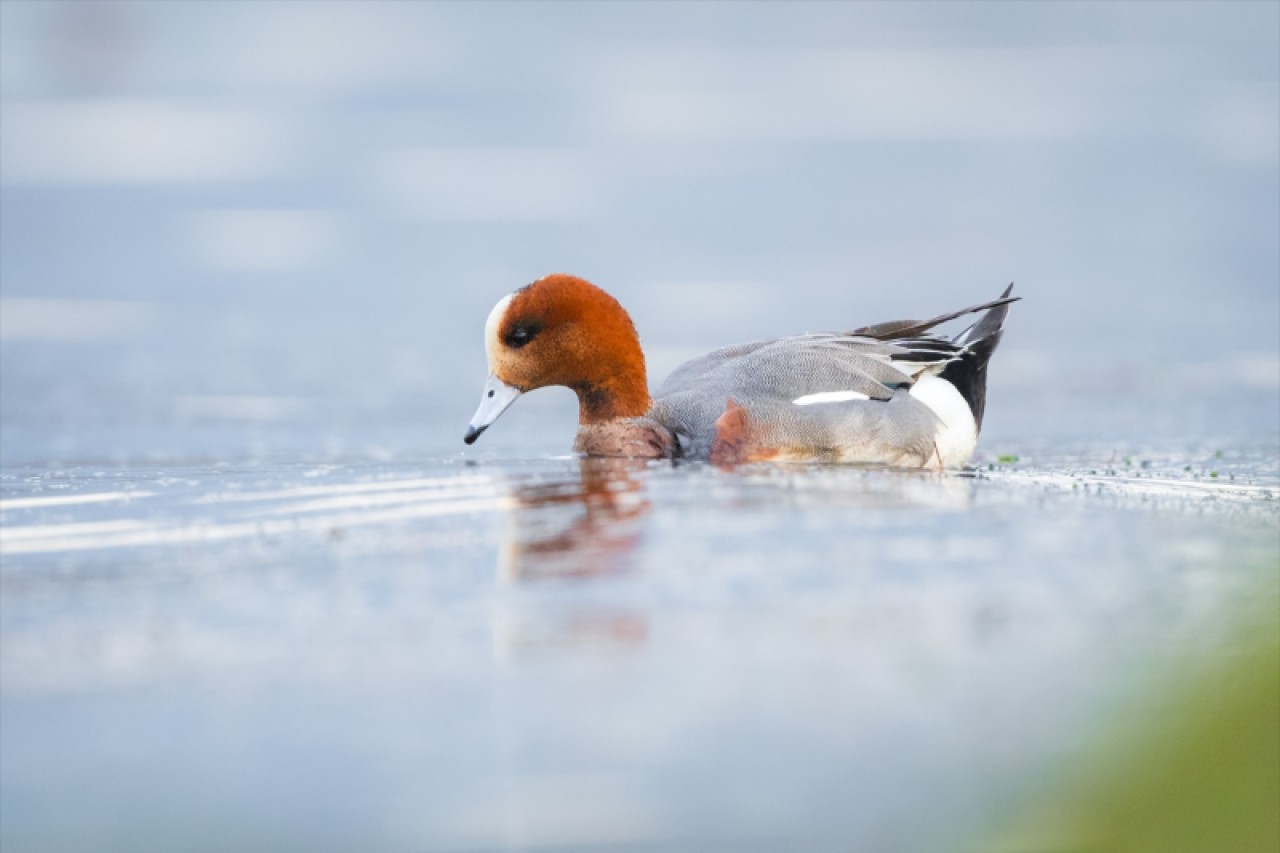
<point>969,372</point>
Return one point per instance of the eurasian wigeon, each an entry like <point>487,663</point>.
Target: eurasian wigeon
<point>888,393</point>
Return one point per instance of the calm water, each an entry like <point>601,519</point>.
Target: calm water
<point>256,595</point>
<point>543,652</point>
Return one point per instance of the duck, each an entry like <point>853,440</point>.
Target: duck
<point>890,394</point>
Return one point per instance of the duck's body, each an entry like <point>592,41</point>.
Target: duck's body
<point>888,393</point>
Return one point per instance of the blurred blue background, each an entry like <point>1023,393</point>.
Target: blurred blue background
<point>274,229</point>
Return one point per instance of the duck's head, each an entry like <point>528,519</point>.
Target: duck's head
<point>562,330</point>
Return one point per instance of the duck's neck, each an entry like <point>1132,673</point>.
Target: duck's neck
<point>620,392</point>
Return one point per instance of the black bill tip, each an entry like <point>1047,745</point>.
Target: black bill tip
<point>473,433</point>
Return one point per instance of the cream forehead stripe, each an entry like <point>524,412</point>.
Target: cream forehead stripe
<point>491,326</point>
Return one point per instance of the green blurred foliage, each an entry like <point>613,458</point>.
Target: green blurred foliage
<point>1199,774</point>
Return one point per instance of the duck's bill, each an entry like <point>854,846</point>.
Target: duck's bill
<point>498,395</point>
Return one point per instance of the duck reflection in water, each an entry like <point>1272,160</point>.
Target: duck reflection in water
<point>584,526</point>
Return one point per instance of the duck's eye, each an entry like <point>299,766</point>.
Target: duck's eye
<point>521,335</point>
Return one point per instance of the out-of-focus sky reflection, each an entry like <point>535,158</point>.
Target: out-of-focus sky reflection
<point>320,201</point>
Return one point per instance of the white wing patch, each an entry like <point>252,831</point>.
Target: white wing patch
<point>829,397</point>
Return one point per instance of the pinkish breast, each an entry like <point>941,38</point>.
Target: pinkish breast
<point>635,438</point>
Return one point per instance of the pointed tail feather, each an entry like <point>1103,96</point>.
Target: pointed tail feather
<point>988,323</point>
<point>912,328</point>
<point>969,372</point>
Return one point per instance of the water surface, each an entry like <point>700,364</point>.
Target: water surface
<point>552,652</point>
